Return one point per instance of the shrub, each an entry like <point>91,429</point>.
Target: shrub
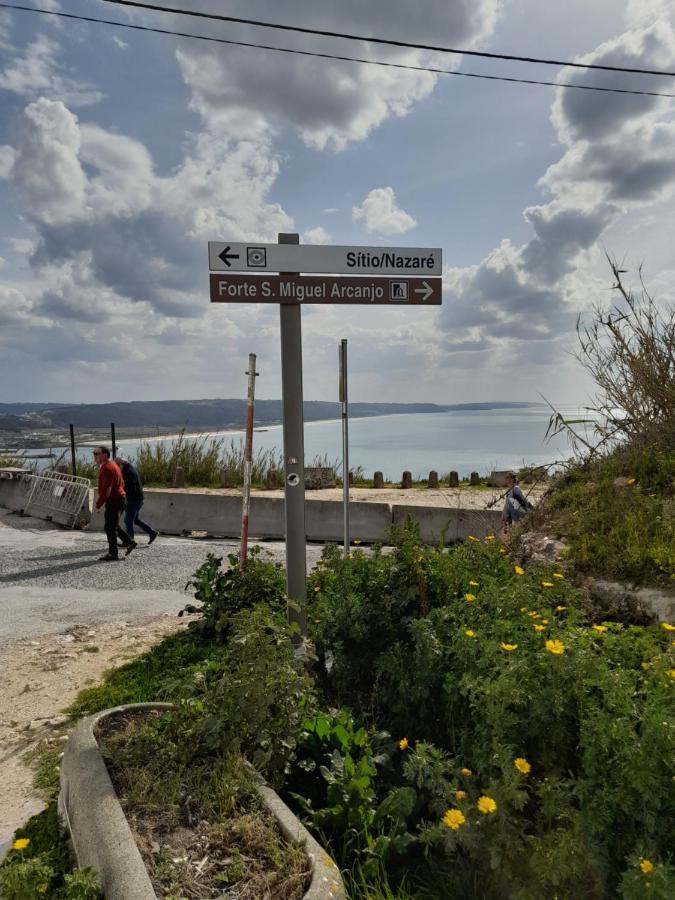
<point>224,593</point>
<point>493,665</point>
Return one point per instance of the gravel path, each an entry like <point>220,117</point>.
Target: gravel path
<point>51,579</point>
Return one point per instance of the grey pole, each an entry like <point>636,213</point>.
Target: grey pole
<point>248,460</point>
<point>294,455</point>
<point>114,442</point>
<point>345,441</point>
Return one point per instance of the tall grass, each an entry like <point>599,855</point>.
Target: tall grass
<point>203,460</point>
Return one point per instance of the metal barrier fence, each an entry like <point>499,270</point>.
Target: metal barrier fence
<point>57,492</point>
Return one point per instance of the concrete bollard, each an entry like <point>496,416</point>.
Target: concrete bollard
<point>433,479</point>
<point>225,480</point>
<point>179,477</point>
<point>406,480</point>
<point>453,479</point>
<point>474,479</point>
<point>378,480</point>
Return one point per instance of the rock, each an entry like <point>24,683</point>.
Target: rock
<point>625,603</point>
<point>537,547</point>
<point>622,482</point>
<point>57,721</point>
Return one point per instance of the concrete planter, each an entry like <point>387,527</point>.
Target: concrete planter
<point>103,840</point>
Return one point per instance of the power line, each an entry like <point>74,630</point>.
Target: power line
<point>316,54</point>
<point>378,40</point>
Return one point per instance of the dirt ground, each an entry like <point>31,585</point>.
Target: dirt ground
<point>41,676</point>
<point>462,497</point>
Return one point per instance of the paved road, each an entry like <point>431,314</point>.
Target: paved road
<point>50,578</point>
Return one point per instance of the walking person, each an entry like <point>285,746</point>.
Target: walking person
<point>516,504</point>
<point>133,488</point>
<point>111,495</point>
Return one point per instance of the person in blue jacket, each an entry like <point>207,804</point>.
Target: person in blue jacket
<point>133,488</point>
<point>516,504</point>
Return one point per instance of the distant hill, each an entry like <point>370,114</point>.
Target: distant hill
<point>202,413</point>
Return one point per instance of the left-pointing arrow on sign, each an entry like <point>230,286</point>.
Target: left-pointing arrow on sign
<point>226,256</point>
<point>426,289</point>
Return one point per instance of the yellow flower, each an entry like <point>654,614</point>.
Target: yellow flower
<point>544,621</point>
<point>469,632</point>
<point>522,765</point>
<point>508,647</point>
<point>558,575</point>
<point>533,614</point>
<point>489,537</point>
<point>631,481</point>
<point>540,628</point>
<point>556,647</point>
<point>21,844</point>
<point>547,584</point>
<point>317,589</point>
<point>469,597</point>
<point>671,673</point>
<point>474,584</point>
<point>645,665</point>
<point>600,628</point>
<point>356,541</point>
<point>486,805</point>
<point>460,795</point>
<point>467,772</point>
<point>403,743</point>
<point>646,866</point>
<point>518,570</point>
<point>420,559</point>
<point>502,550</point>
<point>454,818</point>
<point>667,626</point>
<point>523,609</point>
<point>560,608</point>
<point>472,538</point>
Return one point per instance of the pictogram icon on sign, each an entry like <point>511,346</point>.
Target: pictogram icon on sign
<point>256,257</point>
<point>398,290</point>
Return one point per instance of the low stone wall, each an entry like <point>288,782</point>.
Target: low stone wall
<point>176,512</point>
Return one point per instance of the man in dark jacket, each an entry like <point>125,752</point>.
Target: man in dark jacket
<point>133,488</point>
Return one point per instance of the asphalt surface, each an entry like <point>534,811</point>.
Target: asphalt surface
<point>51,579</point>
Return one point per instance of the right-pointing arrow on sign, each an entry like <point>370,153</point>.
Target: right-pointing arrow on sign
<point>426,289</point>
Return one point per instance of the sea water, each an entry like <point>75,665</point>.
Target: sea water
<point>464,441</point>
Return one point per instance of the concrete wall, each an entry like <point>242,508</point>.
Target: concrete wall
<point>176,512</point>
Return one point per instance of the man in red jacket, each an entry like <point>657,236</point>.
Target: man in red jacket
<point>111,493</point>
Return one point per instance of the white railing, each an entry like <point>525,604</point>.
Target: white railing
<point>52,492</point>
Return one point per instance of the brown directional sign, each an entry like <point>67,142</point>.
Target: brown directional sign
<point>325,289</point>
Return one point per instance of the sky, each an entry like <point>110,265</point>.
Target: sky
<point>123,153</point>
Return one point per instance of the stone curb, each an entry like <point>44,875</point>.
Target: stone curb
<point>103,840</point>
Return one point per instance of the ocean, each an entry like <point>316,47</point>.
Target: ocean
<point>463,441</point>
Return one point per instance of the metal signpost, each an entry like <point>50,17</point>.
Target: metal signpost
<point>248,460</point>
<point>396,276</point>
<point>342,350</point>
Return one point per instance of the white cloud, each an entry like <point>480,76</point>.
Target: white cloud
<point>36,71</point>
<point>381,214</point>
<point>330,103</point>
<point>317,235</point>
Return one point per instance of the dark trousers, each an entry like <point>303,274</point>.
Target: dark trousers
<point>131,518</point>
<point>111,516</point>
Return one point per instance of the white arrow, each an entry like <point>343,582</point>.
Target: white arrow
<point>427,290</point>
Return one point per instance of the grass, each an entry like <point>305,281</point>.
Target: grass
<point>199,823</point>
<point>153,676</point>
<point>617,515</point>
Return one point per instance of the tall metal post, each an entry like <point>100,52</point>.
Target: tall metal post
<point>73,460</point>
<point>294,455</point>
<point>345,440</point>
<point>112,440</point>
<point>248,459</point>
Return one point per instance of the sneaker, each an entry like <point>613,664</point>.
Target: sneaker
<point>130,547</point>
<point>152,537</point>
<point>108,558</point>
